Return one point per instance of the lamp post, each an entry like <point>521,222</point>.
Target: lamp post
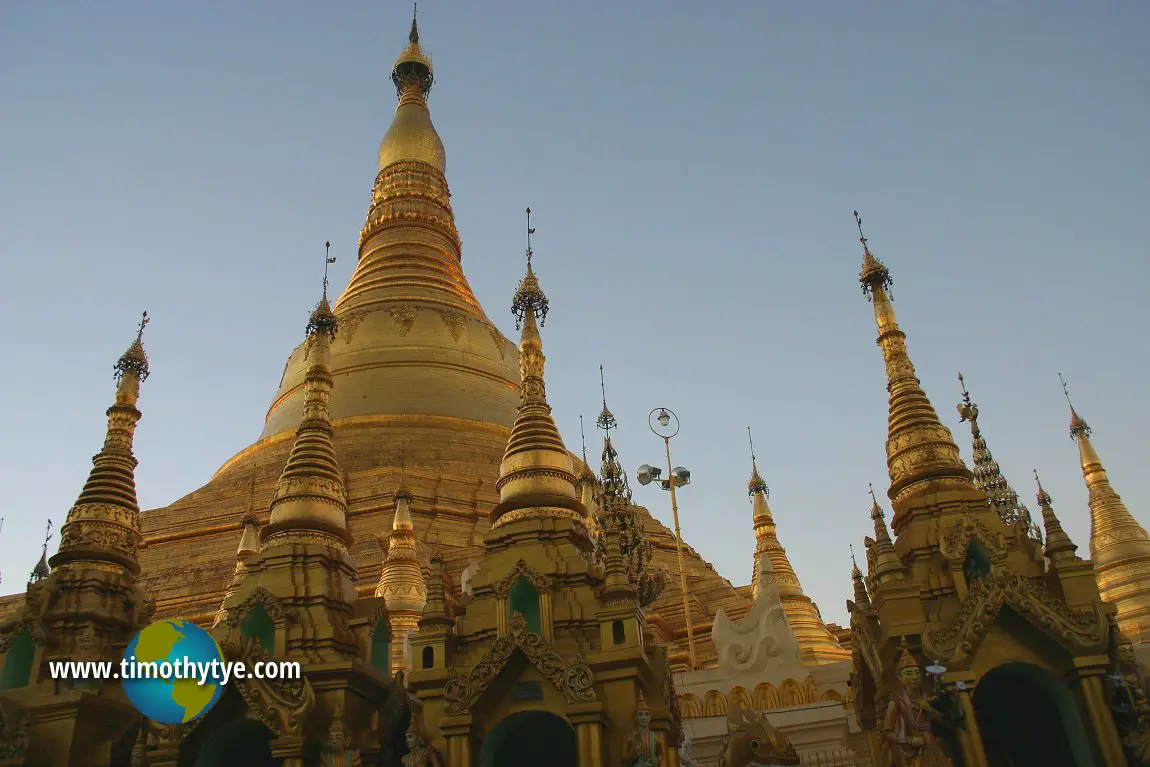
<point>668,426</point>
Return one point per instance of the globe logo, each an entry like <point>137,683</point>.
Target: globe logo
<point>164,666</point>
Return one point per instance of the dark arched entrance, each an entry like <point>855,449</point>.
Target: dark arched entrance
<point>529,739</point>
<point>1028,719</point>
<point>241,742</point>
<point>228,736</point>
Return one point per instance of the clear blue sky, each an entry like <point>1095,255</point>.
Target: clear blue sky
<point>692,168</point>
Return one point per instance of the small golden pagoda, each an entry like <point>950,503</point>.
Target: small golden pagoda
<point>548,658</point>
<point>1119,546</point>
<point>973,643</point>
<point>82,604</point>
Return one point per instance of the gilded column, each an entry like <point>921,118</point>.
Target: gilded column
<point>589,744</point>
<point>970,737</point>
<point>1098,708</point>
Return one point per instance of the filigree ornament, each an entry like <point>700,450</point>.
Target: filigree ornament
<point>522,570</point>
<point>574,681</point>
<point>455,323</point>
<point>28,623</point>
<point>956,542</point>
<point>280,704</point>
<point>404,317</point>
<point>1081,632</point>
<point>349,321</point>
<point>262,597</point>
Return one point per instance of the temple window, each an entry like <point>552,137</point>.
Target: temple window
<point>524,599</point>
<point>380,643</point>
<point>618,632</point>
<point>977,564</point>
<point>17,670</point>
<point>258,625</point>
<point>428,657</point>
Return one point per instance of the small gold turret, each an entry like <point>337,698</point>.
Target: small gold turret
<point>104,525</point>
<point>816,642</point>
<point>536,473</point>
<point>435,612</point>
<point>920,451</point>
<point>42,570</point>
<point>309,503</point>
<point>401,583</point>
<point>412,135</point>
<point>619,525</point>
<point>1119,546</point>
<point>988,475</point>
<point>249,544</point>
<point>887,565</point>
<point>862,597</point>
<point>1059,547</point>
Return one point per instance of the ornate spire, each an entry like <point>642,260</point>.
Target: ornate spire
<point>988,476</point>
<point>1119,546</point>
<point>401,583</point>
<point>104,525</point>
<point>249,545</point>
<point>887,565</point>
<point>435,612</point>
<point>309,501</point>
<point>618,523</point>
<point>920,451</point>
<point>586,473</point>
<point>536,471</point>
<point>862,598</point>
<point>815,640</point>
<point>756,486</point>
<point>41,570</point>
<point>1058,544</point>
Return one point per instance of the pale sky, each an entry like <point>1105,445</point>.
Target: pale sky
<point>692,169</point>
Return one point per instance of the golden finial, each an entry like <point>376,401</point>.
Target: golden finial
<point>322,319</point>
<point>1078,427</point>
<point>328,260</point>
<point>1044,498</point>
<point>854,562</point>
<point>582,439</point>
<point>875,508</point>
<point>414,64</point>
<point>967,410</point>
<point>756,484</point>
<point>249,517</point>
<point>529,297</point>
<point>134,360</point>
<point>41,570</point>
<point>606,420</point>
<point>874,274</point>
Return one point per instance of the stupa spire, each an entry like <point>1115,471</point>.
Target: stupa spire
<point>887,565</point>
<point>42,570</point>
<point>618,523</point>
<point>104,524</point>
<point>309,501</point>
<point>249,545</point>
<point>1058,544</point>
<point>401,583</point>
<point>1119,546</point>
<point>920,451</point>
<point>536,471</point>
<point>988,475</point>
<point>815,640</point>
<point>862,597</point>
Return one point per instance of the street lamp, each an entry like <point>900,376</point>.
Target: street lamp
<point>668,426</point>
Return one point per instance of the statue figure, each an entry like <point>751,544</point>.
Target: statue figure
<point>14,737</point>
<point>686,758</point>
<point>752,741</point>
<point>640,747</point>
<point>419,752</point>
<point>1129,688</point>
<point>906,726</point>
<point>337,752</point>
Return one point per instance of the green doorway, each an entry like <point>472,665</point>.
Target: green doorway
<point>1028,719</point>
<point>529,739</point>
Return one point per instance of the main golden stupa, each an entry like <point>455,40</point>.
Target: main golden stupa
<point>461,589</point>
